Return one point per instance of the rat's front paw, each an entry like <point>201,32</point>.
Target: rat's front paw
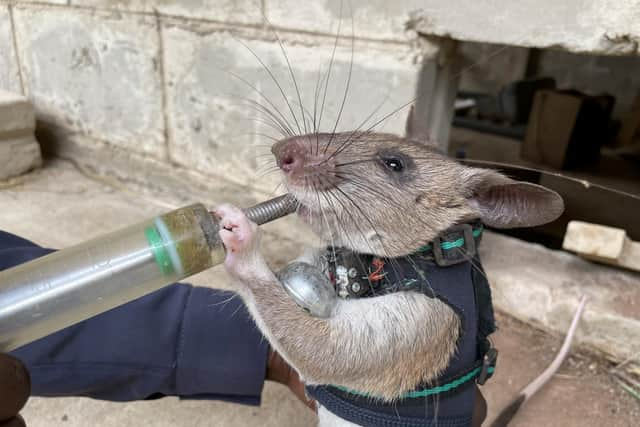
<point>240,237</point>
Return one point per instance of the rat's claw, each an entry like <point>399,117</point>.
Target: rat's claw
<point>239,235</point>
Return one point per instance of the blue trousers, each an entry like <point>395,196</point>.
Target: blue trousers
<point>185,341</point>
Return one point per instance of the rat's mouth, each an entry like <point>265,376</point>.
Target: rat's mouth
<point>304,211</point>
<point>307,210</point>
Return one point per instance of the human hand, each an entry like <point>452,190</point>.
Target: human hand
<point>278,370</point>
<point>15,387</point>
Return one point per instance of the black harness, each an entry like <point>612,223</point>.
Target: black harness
<point>448,268</point>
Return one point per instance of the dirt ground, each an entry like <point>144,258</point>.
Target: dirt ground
<point>581,394</point>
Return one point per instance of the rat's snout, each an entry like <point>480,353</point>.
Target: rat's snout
<point>291,155</point>
<point>301,159</point>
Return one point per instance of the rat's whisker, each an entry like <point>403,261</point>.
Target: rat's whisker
<point>326,85</point>
<point>277,121</point>
<point>349,140</point>
<point>291,73</point>
<point>275,81</point>
<point>346,90</point>
<point>260,134</point>
<point>289,131</point>
<point>366,218</point>
<point>340,224</point>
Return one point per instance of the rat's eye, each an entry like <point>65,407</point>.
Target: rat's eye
<point>393,163</point>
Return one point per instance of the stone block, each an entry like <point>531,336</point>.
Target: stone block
<point>16,114</point>
<point>209,115</point>
<point>19,150</point>
<point>237,11</point>
<point>601,243</point>
<point>18,155</point>
<point>9,73</point>
<point>380,19</point>
<point>596,240</point>
<point>94,73</point>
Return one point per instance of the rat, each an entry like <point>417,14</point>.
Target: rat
<point>384,196</point>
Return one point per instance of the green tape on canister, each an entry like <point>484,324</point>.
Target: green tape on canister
<point>159,252</point>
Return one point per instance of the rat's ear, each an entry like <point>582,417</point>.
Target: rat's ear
<point>505,203</point>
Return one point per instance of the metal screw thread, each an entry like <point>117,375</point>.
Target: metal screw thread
<point>272,209</point>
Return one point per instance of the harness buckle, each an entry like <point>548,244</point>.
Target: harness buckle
<point>456,253</point>
<point>488,365</point>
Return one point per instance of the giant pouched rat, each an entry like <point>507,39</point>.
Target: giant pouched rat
<point>387,196</point>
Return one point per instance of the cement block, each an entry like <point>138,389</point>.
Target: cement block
<point>19,150</point>
<point>209,120</point>
<point>237,11</point>
<point>16,114</point>
<point>596,240</point>
<point>596,26</point>
<point>604,244</point>
<point>9,74</point>
<point>379,19</point>
<point>18,155</point>
<point>94,73</point>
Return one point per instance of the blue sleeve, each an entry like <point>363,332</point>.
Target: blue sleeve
<point>182,341</point>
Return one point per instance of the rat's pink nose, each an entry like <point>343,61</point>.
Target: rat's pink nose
<point>291,155</point>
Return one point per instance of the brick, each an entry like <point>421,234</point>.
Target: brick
<point>94,74</point>
<point>240,11</point>
<point>207,121</point>
<point>371,19</point>
<point>9,77</point>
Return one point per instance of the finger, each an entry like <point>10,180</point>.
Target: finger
<point>297,387</point>
<point>479,409</point>
<point>15,386</point>
<point>279,370</point>
<point>226,209</point>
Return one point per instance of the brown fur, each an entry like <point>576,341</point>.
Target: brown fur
<point>387,345</point>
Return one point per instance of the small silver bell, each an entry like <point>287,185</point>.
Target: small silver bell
<point>309,288</point>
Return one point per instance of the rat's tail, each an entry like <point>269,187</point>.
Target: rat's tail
<point>506,415</point>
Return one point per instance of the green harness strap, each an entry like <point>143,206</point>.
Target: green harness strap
<point>428,391</point>
<point>451,245</point>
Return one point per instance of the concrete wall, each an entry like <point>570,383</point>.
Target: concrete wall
<point>163,80</point>
<point>610,27</point>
